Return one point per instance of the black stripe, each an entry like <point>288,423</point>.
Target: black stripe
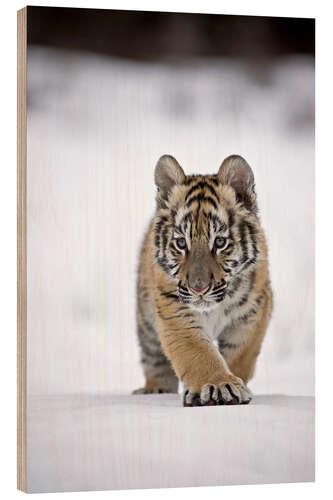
<point>160,232</point>
<point>195,327</point>
<point>228,251</point>
<point>159,362</point>
<point>174,250</point>
<point>214,181</point>
<point>191,178</point>
<point>245,296</point>
<point>218,224</point>
<point>160,222</point>
<point>200,197</point>
<point>227,345</point>
<point>164,235</point>
<point>147,351</point>
<point>244,317</point>
<point>243,241</point>
<point>174,316</point>
<point>231,217</point>
<point>197,198</point>
<point>222,285</point>
<point>173,215</point>
<point>212,190</point>
<point>157,241</point>
<point>208,217</point>
<point>168,295</point>
<point>187,218</point>
<point>251,279</point>
<point>234,286</point>
<point>259,299</point>
<point>210,200</point>
<point>196,217</point>
<point>202,185</point>
<point>253,232</point>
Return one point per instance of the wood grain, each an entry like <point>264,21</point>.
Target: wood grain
<point>96,127</point>
<point>21,246</point>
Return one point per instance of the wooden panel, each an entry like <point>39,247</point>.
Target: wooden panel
<point>21,245</point>
<point>97,126</point>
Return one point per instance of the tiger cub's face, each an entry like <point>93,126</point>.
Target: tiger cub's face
<point>205,229</point>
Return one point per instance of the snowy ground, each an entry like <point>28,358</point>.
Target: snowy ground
<point>96,127</point>
<point>87,442</point>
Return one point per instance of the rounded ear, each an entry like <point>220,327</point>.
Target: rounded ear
<point>237,173</point>
<point>168,172</point>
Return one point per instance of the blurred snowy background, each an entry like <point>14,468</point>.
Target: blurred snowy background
<point>97,123</point>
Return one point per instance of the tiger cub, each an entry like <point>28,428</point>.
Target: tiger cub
<point>203,294</point>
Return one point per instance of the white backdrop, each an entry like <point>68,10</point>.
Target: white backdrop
<point>96,127</point>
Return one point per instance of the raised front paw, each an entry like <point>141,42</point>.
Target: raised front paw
<point>226,393</point>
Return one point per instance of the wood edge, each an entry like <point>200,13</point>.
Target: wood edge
<point>21,249</point>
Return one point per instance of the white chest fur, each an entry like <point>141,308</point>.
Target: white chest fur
<point>214,322</point>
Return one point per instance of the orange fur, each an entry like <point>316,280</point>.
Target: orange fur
<point>186,329</point>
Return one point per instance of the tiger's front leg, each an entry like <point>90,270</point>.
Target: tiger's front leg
<point>196,360</point>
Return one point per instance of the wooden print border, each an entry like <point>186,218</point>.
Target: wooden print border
<point>21,247</point>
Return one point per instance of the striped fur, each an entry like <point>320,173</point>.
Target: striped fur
<point>203,293</point>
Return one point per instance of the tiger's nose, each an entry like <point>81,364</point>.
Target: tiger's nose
<point>201,291</point>
<point>199,288</point>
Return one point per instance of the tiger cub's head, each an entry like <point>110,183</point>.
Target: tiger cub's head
<point>206,229</point>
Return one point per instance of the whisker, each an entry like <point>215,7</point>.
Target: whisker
<point>218,288</point>
<point>216,296</point>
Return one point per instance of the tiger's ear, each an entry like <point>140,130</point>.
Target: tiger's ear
<point>168,172</point>
<point>237,173</point>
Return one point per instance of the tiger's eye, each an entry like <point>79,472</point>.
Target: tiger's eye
<point>219,242</point>
<point>181,243</point>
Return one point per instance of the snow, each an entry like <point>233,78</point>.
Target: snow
<point>90,442</point>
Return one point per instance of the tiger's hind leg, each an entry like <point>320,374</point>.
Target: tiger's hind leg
<point>160,377</point>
